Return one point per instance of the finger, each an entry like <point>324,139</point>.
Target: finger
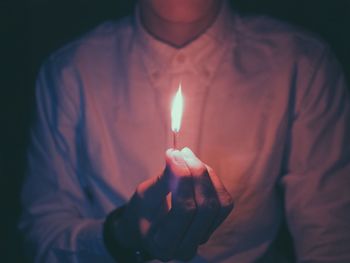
<point>207,211</point>
<point>208,206</point>
<point>175,161</point>
<point>168,234</point>
<point>145,205</point>
<point>225,200</point>
<point>205,193</point>
<point>195,165</point>
<point>148,203</point>
<point>224,197</point>
<point>153,191</point>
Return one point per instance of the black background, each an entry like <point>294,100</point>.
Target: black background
<point>32,29</point>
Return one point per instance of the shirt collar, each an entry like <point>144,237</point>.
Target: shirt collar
<point>200,55</point>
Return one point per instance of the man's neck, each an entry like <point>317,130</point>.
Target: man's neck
<point>177,34</point>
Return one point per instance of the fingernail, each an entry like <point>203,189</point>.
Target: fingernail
<point>186,152</point>
<point>178,158</point>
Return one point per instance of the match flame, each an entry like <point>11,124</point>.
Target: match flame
<point>176,111</point>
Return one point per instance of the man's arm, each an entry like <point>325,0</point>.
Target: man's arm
<point>57,222</point>
<point>317,180</point>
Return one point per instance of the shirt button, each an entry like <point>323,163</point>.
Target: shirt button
<point>181,58</point>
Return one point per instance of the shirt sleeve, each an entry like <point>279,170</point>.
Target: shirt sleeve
<point>317,180</point>
<point>57,221</point>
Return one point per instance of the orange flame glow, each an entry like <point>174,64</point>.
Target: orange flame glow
<point>176,111</point>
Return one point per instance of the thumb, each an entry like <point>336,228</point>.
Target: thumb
<point>154,189</point>
<point>158,187</point>
<point>176,168</point>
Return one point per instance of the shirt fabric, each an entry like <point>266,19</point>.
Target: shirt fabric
<point>266,107</point>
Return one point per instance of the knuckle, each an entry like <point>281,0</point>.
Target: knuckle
<point>190,206</point>
<point>226,200</point>
<point>187,206</point>
<point>212,204</point>
<point>140,190</point>
<point>227,208</point>
<point>209,205</point>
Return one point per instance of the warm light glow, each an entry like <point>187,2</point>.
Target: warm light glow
<point>176,111</point>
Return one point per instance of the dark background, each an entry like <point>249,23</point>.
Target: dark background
<point>32,29</point>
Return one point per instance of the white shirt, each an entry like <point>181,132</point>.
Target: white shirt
<point>266,107</point>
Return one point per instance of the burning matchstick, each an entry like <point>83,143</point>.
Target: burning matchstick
<point>176,115</point>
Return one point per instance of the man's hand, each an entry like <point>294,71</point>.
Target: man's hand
<point>169,216</point>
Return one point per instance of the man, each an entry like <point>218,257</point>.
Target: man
<point>266,110</point>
